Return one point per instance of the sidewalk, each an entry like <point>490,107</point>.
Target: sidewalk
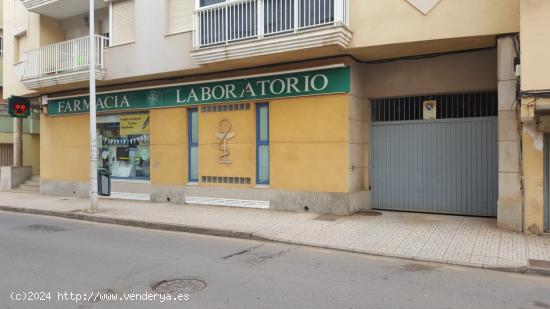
<point>474,242</point>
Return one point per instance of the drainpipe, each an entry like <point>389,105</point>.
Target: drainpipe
<point>17,142</point>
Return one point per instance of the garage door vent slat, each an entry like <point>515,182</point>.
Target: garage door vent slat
<point>449,106</point>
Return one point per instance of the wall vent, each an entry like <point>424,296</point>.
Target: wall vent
<point>226,202</point>
<point>225,107</point>
<point>129,196</point>
<point>229,180</point>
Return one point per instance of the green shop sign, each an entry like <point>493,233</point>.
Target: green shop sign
<point>336,80</point>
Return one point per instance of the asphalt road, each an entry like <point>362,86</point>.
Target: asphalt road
<point>42,254</point>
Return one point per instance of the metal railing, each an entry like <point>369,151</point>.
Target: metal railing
<point>63,57</point>
<point>247,19</point>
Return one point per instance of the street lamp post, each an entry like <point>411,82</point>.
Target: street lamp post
<point>94,207</point>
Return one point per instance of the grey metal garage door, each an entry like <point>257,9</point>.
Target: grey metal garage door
<point>448,165</point>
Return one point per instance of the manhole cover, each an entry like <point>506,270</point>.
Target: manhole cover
<point>42,228</point>
<point>179,286</point>
<point>369,213</point>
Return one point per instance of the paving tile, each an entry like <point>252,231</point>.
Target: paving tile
<point>438,238</point>
<point>462,244</point>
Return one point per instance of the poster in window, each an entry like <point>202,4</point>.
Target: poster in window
<point>430,109</point>
<point>134,124</point>
<point>123,153</point>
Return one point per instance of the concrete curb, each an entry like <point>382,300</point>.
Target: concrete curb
<point>253,236</point>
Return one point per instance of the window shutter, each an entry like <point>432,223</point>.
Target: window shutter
<point>180,15</point>
<point>123,22</point>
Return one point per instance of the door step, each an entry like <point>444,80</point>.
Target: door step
<point>32,185</point>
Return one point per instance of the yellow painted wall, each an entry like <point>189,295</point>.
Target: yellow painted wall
<point>168,129</point>
<point>383,22</point>
<point>64,147</point>
<point>242,146</point>
<point>535,30</point>
<point>309,145</point>
<point>31,152</point>
<point>309,139</point>
<point>533,180</point>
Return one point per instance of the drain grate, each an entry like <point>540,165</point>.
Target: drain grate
<point>179,286</point>
<point>42,228</point>
<point>369,213</point>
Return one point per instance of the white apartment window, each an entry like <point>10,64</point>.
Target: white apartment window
<point>123,22</point>
<point>20,47</point>
<point>179,15</point>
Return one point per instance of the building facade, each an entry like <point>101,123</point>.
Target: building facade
<point>328,106</point>
<point>31,126</point>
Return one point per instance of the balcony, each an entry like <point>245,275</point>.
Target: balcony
<point>61,63</point>
<point>246,28</point>
<point>61,9</point>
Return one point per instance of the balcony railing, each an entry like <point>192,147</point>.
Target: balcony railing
<point>254,19</point>
<point>59,58</point>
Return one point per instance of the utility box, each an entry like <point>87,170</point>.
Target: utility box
<point>103,182</point>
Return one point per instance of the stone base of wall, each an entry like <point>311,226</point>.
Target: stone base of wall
<point>510,215</point>
<point>297,201</point>
<point>11,177</point>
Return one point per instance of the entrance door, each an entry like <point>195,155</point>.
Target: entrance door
<point>6,154</point>
<point>444,165</point>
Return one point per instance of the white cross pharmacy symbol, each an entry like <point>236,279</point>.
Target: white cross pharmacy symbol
<point>153,97</point>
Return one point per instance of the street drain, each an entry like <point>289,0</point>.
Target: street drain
<point>369,213</point>
<point>179,286</point>
<point>42,228</point>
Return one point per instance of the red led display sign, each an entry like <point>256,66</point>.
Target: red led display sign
<point>19,107</point>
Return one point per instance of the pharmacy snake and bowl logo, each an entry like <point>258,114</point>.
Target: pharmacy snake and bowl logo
<point>224,134</point>
<point>153,97</point>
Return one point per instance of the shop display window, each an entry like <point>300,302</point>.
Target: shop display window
<point>123,145</point>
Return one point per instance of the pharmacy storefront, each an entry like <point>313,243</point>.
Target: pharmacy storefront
<point>278,141</point>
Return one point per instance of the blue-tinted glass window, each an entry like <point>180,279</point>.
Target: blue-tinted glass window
<point>193,141</point>
<point>262,143</point>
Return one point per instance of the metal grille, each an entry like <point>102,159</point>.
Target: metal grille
<point>225,108</point>
<point>223,179</point>
<point>449,106</point>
